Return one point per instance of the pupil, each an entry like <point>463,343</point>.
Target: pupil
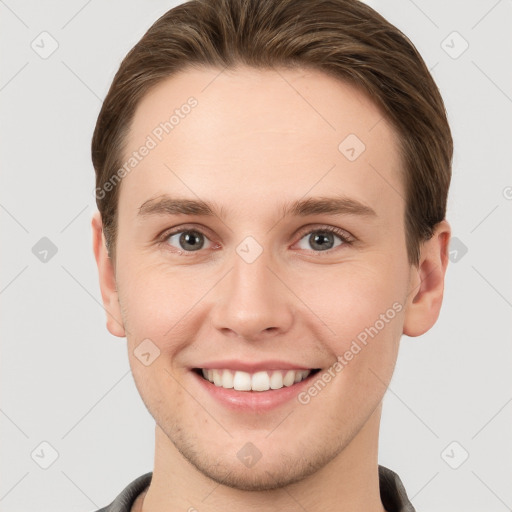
<point>323,237</point>
<point>193,240</point>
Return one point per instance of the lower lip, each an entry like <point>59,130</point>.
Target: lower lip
<point>253,400</point>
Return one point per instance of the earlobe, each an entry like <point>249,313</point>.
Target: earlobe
<point>107,279</point>
<point>427,283</point>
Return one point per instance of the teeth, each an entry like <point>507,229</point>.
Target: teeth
<point>227,380</point>
<point>241,381</point>
<point>259,381</point>
<point>276,380</point>
<point>289,378</point>
<point>217,378</point>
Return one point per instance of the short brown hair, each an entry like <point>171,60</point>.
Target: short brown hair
<point>343,38</point>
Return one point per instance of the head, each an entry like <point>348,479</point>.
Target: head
<point>260,116</point>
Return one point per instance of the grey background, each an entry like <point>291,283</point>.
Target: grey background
<point>66,381</point>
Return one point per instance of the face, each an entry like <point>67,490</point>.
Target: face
<point>297,261</point>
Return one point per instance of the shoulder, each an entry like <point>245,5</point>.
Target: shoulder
<point>392,492</point>
<point>124,501</point>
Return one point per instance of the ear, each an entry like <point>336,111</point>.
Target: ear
<point>107,278</point>
<point>427,283</point>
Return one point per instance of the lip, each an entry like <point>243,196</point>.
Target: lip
<point>251,367</point>
<point>252,401</point>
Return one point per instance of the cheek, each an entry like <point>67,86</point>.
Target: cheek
<point>355,296</point>
<point>363,305</point>
<point>158,299</point>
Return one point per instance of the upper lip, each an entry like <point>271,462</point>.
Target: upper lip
<point>252,366</point>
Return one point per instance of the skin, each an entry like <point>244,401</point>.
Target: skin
<point>256,139</point>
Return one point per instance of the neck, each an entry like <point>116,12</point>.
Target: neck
<point>348,483</point>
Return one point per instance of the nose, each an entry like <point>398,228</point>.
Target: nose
<point>252,301</point>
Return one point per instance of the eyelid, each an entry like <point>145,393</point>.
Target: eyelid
<point>183,227</point>
<point>347,237</point>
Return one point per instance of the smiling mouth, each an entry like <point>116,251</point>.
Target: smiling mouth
<point>258,381</point>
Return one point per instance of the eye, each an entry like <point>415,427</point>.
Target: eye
<point>188,240</point>
<point>324,239</point>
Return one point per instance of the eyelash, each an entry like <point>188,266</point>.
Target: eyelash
<point>343,235</point>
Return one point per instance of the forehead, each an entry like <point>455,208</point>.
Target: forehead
<point>260,133</point>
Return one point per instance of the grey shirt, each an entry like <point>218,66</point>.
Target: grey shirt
<point>392,493</point>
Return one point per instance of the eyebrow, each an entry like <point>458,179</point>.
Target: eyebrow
<point>339,205</point>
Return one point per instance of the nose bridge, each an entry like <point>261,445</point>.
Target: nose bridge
<point>252,300</point>
<point>251,275</point>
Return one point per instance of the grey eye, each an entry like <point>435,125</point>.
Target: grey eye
<point>320,240</point>
<point>188,240</point>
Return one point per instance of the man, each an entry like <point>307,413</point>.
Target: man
<point>271,179</point>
